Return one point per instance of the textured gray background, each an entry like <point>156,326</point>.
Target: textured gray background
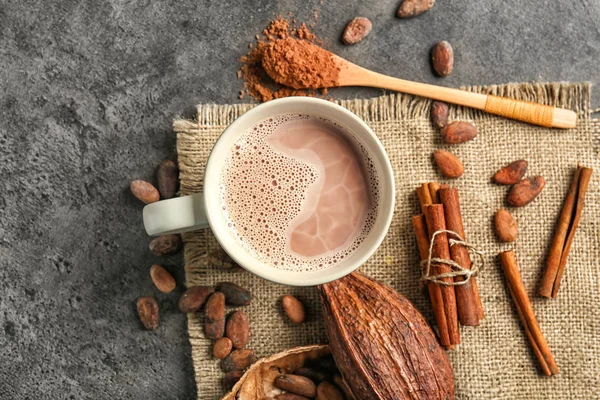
<point>88,93</point>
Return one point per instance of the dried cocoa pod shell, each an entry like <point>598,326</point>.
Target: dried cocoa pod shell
<point>165,245</point>
<point>296,384</point>
<point>512,173</point>
<point>442,58</point>
<point>144,191</point>
<point>194,298</point>
<point>341,383</point>
<point>413,8</point>
<point>168,177</point>
<point>258,381</point>
<point>439,114</point>
<point>525,191</point>
<point>215,307</point>
<point>147,309</point>
<point>382,344</point>
<point>235,295</point>
<point>238,329</point>
<point>458,132</point>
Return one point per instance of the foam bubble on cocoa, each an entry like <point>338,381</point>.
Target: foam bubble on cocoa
<point>297,193</point>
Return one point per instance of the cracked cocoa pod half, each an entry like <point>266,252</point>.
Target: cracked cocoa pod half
<point>382,344</point>
<point>259,380</point>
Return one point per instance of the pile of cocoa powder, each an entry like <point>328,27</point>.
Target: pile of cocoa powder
<point>294,55</point>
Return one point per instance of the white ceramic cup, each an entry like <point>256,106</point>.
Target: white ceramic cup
<point>204,210</point>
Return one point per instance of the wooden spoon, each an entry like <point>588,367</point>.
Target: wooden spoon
<point>353,75</point>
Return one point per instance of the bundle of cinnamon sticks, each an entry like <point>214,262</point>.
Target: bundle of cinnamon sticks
<point>440,207</point>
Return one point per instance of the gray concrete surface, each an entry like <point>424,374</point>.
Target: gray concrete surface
<point>88,93</point>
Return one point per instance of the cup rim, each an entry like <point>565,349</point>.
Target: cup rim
<point>251,263</point>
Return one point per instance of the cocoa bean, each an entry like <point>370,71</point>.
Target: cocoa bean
<point>439,114</point>
<point>215,307</point>
<point>442,58</point>
<point>449,165</point>
<point>296,384</point>
<point>356,30</point>
<point>290,396</point>
<point>328,391</point>
<point>214,329</point>
<point>194,298</point>
<point>168,178</point>
<point>162,279</point>
<point>238,360</point>
<point>144,191</point>
<point>293,308</point>
<point>165,245</point>
<point>525,191</point>
<point>235,295</point>
<point>222,348</point>
<point>237,329</point>
<point>458,132</point>
<point>314,374</point>
<point>231,378</point>
<point>221,259</point>
<point>147,309</point>
<point>506,226</point>
<point>413,8</point>
<point>512,173</point>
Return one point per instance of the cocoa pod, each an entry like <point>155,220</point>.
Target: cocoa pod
<point>356,30</point>
<point>257,382</point>
<point>381,343</point>
<point>293,308</point>
<point>147,309</point>
<point>235,295</point>
<point>413,8</point>
<point>222,348</point>
<point>162,279</point>
<point>316,375</point>
<point>525,191</point>
<point>165,245</point>
<point>231,378</point>
<point>296,384</point>
<point>168,178</point>
<point>506,226</point>
<point>328,391</point>
<point>194,298</point>
<point>512,173</point>
<point>144,191</point>
<point>237,329</point>
<point>214,329</point>
<point>214,310</point>
<point>238,360</point>
<point>341,383</point>
<point>442,58</point>
<point>290,396</point>
<point>449,165</point>
<point>439,114</point>
<point>458,132</point>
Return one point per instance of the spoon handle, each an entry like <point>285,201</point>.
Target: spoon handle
<point>533,113</point>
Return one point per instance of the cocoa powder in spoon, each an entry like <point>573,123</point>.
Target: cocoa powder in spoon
<point>300,64</point>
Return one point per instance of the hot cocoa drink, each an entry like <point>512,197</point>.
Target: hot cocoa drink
<point>299,192</point>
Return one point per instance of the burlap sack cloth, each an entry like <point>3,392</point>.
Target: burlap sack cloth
<point>494,360</point>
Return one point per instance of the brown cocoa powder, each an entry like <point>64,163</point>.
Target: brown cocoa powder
<point>257,83</point>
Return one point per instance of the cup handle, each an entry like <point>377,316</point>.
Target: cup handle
<point>181,214</point>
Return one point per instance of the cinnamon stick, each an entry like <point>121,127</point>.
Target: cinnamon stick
<point>525,312</point>
<point>565,232</point>
<point>468,301</point>
<point>435,292</point>
<point>434,217</point>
